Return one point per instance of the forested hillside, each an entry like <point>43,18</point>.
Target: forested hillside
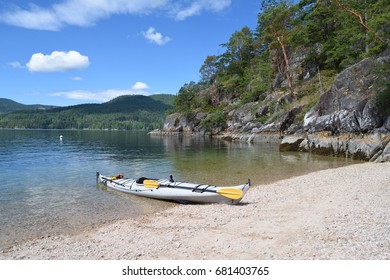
<point>7,105</point>
<point>126,112</point>
<point>287,62</point>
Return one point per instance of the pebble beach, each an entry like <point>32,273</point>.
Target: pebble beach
<point>333,214</point>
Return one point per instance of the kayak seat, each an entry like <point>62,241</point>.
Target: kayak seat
<point>141,180</point>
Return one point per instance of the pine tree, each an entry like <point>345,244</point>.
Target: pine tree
<point>275,30</point>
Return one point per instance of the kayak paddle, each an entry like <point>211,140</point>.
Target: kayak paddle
<point>232,193</point>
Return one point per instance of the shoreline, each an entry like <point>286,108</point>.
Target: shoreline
<point>340,213</point>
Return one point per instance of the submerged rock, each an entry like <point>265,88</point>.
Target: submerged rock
<point>291,143</point>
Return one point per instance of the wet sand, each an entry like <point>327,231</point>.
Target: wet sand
<point>341,213</point>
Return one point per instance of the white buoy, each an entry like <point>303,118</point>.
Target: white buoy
<point>61,137</point>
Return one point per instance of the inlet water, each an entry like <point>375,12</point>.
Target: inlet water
<point>48,183</point>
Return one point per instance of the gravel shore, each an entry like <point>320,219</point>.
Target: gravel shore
<point>337,214</point>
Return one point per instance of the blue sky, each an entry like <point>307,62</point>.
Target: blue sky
<point>67,52</point>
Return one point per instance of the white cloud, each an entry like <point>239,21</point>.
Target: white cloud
<point>139,88</point>
<point>89,12</point>
<point>34,18</point>
<point>17,65</point>
<point>76,12</point>
<point>198,6</point>
<point>57,61</point>
<point>155,37</point>
<point>99,96</point>
<point>192,10</point>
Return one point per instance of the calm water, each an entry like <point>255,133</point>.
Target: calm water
<point>48,185</point>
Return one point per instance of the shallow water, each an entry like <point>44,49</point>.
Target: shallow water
<point>48,185</point>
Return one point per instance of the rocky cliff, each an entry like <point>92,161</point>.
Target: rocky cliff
<point>350,118</point>
<point>352,105</point>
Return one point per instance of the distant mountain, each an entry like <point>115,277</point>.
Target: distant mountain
<point>125,112</point>
<point>8,105</point>
<point>124,104</point>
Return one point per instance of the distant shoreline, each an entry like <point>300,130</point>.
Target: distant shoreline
<point>340,213</point>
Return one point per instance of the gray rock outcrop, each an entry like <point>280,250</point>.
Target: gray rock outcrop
<point>368,147</point>
<point>351,104</point>
<point>348,119</point>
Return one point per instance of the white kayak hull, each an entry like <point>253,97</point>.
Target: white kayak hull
<point>176,191</point>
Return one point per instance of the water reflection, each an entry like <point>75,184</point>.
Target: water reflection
<point>220,162</point>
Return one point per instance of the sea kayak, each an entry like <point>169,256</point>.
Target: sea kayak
<point>168,189</point>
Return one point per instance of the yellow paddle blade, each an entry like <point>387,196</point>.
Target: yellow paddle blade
<point>231,193</point>
<point>151,184</point>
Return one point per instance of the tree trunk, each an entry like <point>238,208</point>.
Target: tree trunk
<point>360,17</point>
<point>289,80</point>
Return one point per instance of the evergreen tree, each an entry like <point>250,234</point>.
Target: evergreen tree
<point>275,29</point>
<point>332,35</point>
<point>234,61</point>
<point>209,70</point>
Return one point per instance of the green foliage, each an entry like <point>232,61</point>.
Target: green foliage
<point>228,71</point>
<point>332,34</point>
<point>124,113</point>
<point>259,77</point>
<point>239,52</point>
<point>216,119</point>
<point>276,23</point>
<point>208,71</point>
<point>7,105</point>
<point>187,99</point>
